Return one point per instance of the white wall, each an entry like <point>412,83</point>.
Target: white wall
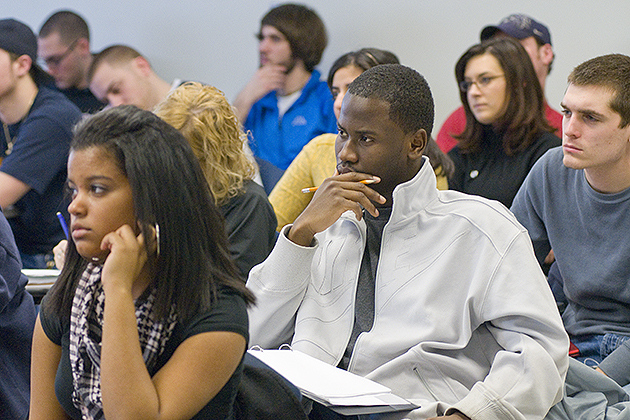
<point>213,40</point>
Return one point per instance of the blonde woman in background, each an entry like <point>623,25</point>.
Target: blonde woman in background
<point>206,119</point>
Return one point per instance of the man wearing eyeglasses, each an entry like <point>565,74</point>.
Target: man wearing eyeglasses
<point>34,142</point>
<point>536,39</point>
<point>64,50</point>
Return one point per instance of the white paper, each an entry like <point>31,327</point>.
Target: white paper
<point>328,384</point>
<point>45,272</point>
<point>318,377</point>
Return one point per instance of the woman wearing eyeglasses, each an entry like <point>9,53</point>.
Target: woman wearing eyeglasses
<point>506,130</point>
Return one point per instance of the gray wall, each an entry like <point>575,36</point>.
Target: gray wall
<point>213,40</point>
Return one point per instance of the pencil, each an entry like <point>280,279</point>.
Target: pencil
<point>313,189</point>
<point>63,224</point>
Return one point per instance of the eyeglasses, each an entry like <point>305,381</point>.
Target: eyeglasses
<point>481,83</point>
<point>55,60</point>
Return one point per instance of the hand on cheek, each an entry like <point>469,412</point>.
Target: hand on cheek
<point>126,259</point>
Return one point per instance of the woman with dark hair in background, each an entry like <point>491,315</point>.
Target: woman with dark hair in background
<point>506,130</point>
<point>148,317</point>
<point>317,160</point>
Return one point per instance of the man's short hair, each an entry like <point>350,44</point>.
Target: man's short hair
<point>407,92</point>
<point>304,30</point>
<point>115,54</point>
<point>612,72</point>
<point>69,25</point>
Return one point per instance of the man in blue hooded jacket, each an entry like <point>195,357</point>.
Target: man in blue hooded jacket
<point>285,104</point>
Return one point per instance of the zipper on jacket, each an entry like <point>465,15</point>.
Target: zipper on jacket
<point>363,236</point>
<point>424,382</point>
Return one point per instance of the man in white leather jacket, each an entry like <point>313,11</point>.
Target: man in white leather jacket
<point>435,294</point>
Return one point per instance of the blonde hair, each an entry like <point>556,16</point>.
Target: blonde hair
<point>206,119</point>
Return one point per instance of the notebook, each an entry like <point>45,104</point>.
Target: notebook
<point>338,389</point>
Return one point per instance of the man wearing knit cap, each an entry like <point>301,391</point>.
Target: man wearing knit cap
<point>536,39</point>
<point>34,142</point>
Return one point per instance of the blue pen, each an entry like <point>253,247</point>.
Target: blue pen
<point>64,226</point>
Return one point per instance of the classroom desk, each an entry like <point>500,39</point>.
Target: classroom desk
<point>40,281</point>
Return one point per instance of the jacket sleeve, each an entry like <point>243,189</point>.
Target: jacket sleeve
<point>12,281</point>
<point>527,375</point>
<point>279,283</point>
<point>617,364</point>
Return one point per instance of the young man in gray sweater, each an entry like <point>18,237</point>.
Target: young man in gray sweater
<point>576,201</point>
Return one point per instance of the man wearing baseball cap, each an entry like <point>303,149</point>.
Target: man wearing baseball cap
<point>536,39</point>
<point>34,142</point>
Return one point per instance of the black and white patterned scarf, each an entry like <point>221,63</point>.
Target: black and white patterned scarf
<point>86,323</point>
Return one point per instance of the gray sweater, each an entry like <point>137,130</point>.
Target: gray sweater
<point>587,231</point>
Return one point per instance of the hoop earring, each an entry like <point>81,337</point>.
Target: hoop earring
<point>157,238</point>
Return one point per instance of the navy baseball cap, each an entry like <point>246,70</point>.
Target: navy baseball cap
<point>519,26</point>
<point>17,38</point>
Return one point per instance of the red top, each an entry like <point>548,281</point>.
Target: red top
<point>456,122</point>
